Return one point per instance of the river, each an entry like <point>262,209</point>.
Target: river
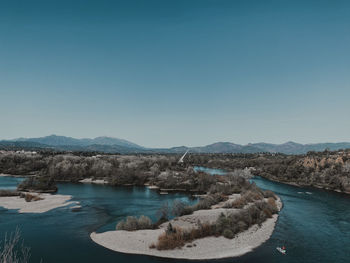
<point>314,225</point>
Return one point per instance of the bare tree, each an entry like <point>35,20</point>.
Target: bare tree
<point>12,249</point>
<point>164,212</point>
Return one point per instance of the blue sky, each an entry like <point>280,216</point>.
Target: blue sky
<point>166,73</point>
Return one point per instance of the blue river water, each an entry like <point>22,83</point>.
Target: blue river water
<point>314,225</point>
<point>209,170</point>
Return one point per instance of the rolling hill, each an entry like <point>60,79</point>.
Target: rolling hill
<point>115,145</point>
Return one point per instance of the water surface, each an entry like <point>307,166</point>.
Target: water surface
<point>211,171</point>
<point>314,226</point>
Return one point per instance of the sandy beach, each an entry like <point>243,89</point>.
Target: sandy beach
<point>11,175</point>
<point>48,203</point>
<point>92,181</point>
<point>138,242</point>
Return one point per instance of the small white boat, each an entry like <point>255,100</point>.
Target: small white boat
<point>283,251</point>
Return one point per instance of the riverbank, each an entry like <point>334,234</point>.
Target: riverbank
<point>12,175</point>
<point>316,186</point>
<point>93,181</point>
<point>46,203</point>
<point>139,242</point>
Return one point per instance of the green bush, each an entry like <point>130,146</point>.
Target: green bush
<point>228,234</point>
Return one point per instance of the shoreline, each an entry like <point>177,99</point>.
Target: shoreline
<point>93,181</point>
<point>138,242</point>
<point>320,187</point>
<point>13,175</point>
<point>48,202</point>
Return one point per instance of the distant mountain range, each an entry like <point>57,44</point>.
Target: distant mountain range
<point>54,140</point>
<point>115,145</point>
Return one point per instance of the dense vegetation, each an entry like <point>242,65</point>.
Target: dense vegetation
<point>133,223</point>
<point>253,206</point>
<point>43,184</point>
<point>44,169</point>
<point>226,225</point>
<point>4,192</point>
<point>330,170</point>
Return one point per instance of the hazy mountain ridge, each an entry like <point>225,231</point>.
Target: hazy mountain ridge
<point>55,140</point>
<point>115,145</point>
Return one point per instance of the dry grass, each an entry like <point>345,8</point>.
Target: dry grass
<point>12,250</point>
<point>238,203</point>
<point>268,194</point>
<point>179,237</point>
<point>247,197</point>
<point>171,240</point>
<point>271,201</point>
<point>205,203</point>
<point>253,196</point>
<point>226,225</point>
<point>30,198</point>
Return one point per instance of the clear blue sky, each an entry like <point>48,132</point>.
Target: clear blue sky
<point>165,73</point>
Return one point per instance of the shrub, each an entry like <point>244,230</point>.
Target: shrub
<point>271,206</point>
<point>253,196</point>
<point>152,246</point>
<point>228,234</point>
<point>256,213</point>
<point>268,194</point>
<point>241,225</point>
<point>267,212</point>
<point>187,210</point>
<point>38,184</point>
<point>272,202</point>
<point>203,230</point>
<point>221,223</point>
<point>163,212</point>
<point>205,203</point>
<point>37,198</point>
<point>9,193</point>
<point>171,240</point>
<point>238,203</point>
<point>144,222</point>
<point>226,225</point>
<point>246,197</point>
<point>178,237</point>
<point>132,223</point>
<point>178,208</point>
<point>170,229</point>
<point>30,197</point>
